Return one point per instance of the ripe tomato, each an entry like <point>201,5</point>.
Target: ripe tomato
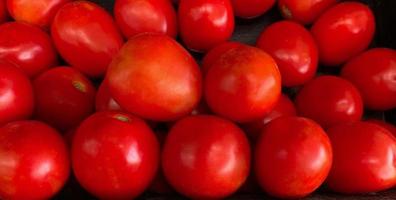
<point>163,87</point>
<point>139,16</point>
<point>206,157</point>
<point>390,127</point>
<point>364,158</point>
<point>104,101</point>
<point>343,31</point>
<point>3,11</point>
<point>330,100</point>
<point>39,13</point>
<point>28,47</point>
<point>215,54</point>
<point>304,12</point>
<point>251,8</point>
<point>294,50</point>
<point>34,161</point>
<point>64,97</point>
<point>86,37</point>
<point>244,84</point>
<point>205,23</point>
<point>374,74</point>
<point>115,155</point>
<point>16,94</point>
<point>293,157</point>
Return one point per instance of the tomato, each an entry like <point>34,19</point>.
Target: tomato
<point>33,12</point>
<point>374,74</point>
<point>390,127</point>
<point>251,8</point>
<point>114,155</point>
<point>64,97</point>
<point>139,16</point>
<point>104,101</point>
<point>16,94</point>
<point>284,107</point>
<point>244,84</point>
<point>3,11</point>
<point>163,87</point>
<point>206,157</point>
<point>34,161</point>
<point>293,157</point>
<point>330,100</point>
<point>86,37</point>
<point>215,53</point>
<point>28,47</point>
<point>205,23</point>
<point>343,31</point>
<point>294,50</point>
<point>364,158</point>
<point>304,12</point>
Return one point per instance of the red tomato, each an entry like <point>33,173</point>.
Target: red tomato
<point>294,50</point>
<point>343,31</point>
<point>3,11</point>
<point>374,74</point>
<point>390,127</point>
<point>28,47</point>
<point>244,84</point>
<point>139,16</point>
<point>206,157</point>
<point>16,94</point>
<point>293,157</point>
<point>39,13</point>
<point>163,87</point>
<point>115,155</point>
<point>34,161</point>
<point>215,53</point>
<point>251,8</point>
<point>330,100</point>
<point>104,101</point>
<point>304,12</point>
<point>86,37</point>
<point>364,158</point>
<point>205,23</point>
<point>64,97</point>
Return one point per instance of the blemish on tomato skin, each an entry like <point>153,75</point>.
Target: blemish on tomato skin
<point>122,118</point>
<point>80,86</point>
<point>286,12</point>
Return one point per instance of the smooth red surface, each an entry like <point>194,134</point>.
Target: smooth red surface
<point>215,54</point>
<point>330,100</point>
<point>28,47</point>
<point>293,157</point>
<point>388,126</point>
<point>38,12</point>
<point>244,84</point>
<point>3,11</point>
<point>304,12</point>
<point>205,23</point>
<point>294,50</point>
<point>251,8</point>
<point>86,37</point>
<point>163,87</point>
<point>374,74</point>
<point>104,101</point>
<point>16,94</point>
<point>34,161</point>
<point>343,31</point>
<point>64,97</point>
<point>139,16</point>
<point>115,155</point>
<point>206,157</point>
<point>364,158</point>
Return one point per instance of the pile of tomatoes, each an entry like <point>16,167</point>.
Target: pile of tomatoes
<point>122,104</point>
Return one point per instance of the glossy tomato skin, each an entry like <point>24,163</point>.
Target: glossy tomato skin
<point>39,161</point>
<point>206,157</point>
<point>122,158</point>
<point>251,8</point>
<point>390,127</point>
<point>294,50</point>
<point>28,47</point>
<point>3,11</point>
<point>137,16</point>
<point>16,94</point>
<point>214,54</point>
<point>35,13</point>
<point>343,31</point>
<point>163,87</point>
<point>374,74</point>
<point>64,97</point>
<point>293,157</point>
<point>366,167</point>
<point>205,23</point>
<point>304,12</point>
<point>86,37</point>
<point>330,100</point>
<point>104,101</point>
<point>244,84</point>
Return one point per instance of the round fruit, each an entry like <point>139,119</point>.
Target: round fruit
<point>251,8</point>
<point>390,127</point>
<point>104,101</point>
<point>215,54</point>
